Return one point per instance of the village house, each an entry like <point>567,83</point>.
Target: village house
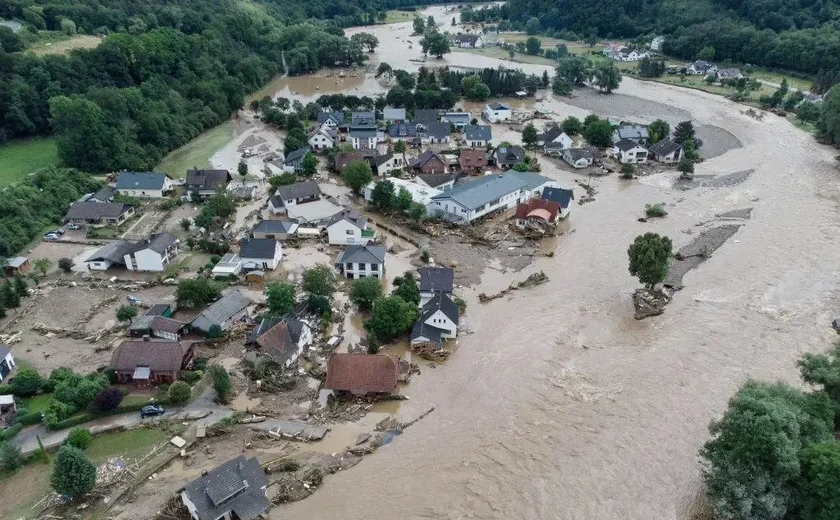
<point>98,213</point>
<point>666,151</point>
<point>16,265</point>
<point>103,194</point>
<point>342,159</point>
<point>632,131</point>
<point>470,41</point>
<point>388,163</point>
<point>402,132</point>
<point>506,156</point>
<point>223,313</point>
<point>276,343</point>
<point>147,362</point>
<point>561,196</point>
<point>292,195</point>
<point>205,183</point>
<point>234,490</point>
<point>537,214</point>
<point>623,53</point>
<point>363,138</point>
<point>725,74</point>
<point>578,157</point>
<point>362,374</point>
<point>143,185</point>
<point>152,254</point>
<point>438,181</point>
<point>554,134</point>
<point>362,261</point>
<point>275,229</point>
<point>629,152</point>
<point>362,120</point>
<point>478,136</point>
<point>7,362</point>
<point>244,192</point>
<point>323,138</point>
<point>229,265</point>
<point>260,254</point>
<point>421,193</point>
<point>349,227</point>
<point>438,321</point>
<point>457,119</point>
<point>434,280</point>
<point>656,43</point>
<point>160,309</point>
<point>331,119</point>
<point>488,194</point>
<point>394,115</point>
<point>293,163</point>
<point>700,68</point>
<point>436,133</point>
<point>299,331</point>
<point>496,112</point>
<point>472,160</point>
<point>423,117</point>
<point>157,326</point>
<point>429,162</point>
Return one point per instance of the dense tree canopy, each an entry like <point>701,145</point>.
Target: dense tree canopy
<point>650,257</point>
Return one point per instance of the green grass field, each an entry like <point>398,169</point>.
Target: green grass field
<point>20,157</point>
<point>399,16</point>
<point>197,152</point>
<point>37,403</point>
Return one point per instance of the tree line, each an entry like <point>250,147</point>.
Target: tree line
<point>162,75</point>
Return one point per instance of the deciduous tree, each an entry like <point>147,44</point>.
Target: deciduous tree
<point>280,298</point>
<point>529,135</point>
<point>658,130</point>
<point>357,174</point>
<point>607,76</point>
<point>197,292</point>
<point>391,317</point>
<point>572,125</point>
<point>598,133</point>
<point>73,474</point>
<point>650,257</point>
<point>126,312</point>
<point>309,164</point>
<point>382,195</point>
<point>319,280</point>
<point>365,291</point>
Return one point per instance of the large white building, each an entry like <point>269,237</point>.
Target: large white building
<point>496,112</point>
<point>143,185</point>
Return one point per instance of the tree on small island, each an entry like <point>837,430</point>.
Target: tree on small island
<point>650,257</point>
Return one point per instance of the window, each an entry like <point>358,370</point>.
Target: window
<point>348,232</point>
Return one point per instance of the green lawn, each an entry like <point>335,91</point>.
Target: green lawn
<point>130,444</point>
<point>399,16</point>
<point>20,157</point>
<point>502,54</point>
<point>37,403</point>
<point>197,152</point>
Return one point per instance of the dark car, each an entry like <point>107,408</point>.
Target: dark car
<point>151,411</point>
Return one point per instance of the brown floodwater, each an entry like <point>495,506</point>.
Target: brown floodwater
<point>559,404</point>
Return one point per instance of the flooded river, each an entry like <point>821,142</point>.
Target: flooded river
<point>560,404</point>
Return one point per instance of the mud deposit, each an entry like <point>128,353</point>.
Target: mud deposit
<point>698,251</point>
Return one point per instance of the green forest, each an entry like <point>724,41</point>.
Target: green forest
<point>796,35</point>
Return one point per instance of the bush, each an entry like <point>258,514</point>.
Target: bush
<point>10,432</point>
<point>318,304</point>
<point>365,291</point>
<point>79,438</point>
<point>221,381</point>
<point>65,264</point>
<point>627,171</point>
<point>179,392</point>
<point>214,332</point>
<point>200,363</point>
<point>74,474</point>
<point>191,376</point>
<point>214,259</point>
<point>27,382</point>
<point>425,256</point>
<point>109,398</point>
<point>29,419</point>
<point>462,304</point>
<point>655,210</point>
<point>10,457</point>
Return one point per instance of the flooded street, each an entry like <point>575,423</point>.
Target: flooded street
<point>560,404</point>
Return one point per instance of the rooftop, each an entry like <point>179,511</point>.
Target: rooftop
<point>259,248</point>
<point>439,130</point>
<point>141,181</point>
<point>96,210</point>
<point>299,190</point>
<point>559,195</point>
<point>207,179</point>
<point>478,192</point>
<point>419,193</point>
<point>234,487</point>
<point>434,279</point>
<point>296,155</point>
<point>361,373</point>
<point>440,302</point>
<point>275,226</point>
<point>367,254</point>
<point>478,132</point>
<point>425,157</point>
<point>159,356</point>
<point>221,310</point>
<point>393,114</point>
<point>435,180</point>
<point>664,147</point>
<point>626,145</point>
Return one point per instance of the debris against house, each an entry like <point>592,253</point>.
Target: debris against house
<point>532,281</point>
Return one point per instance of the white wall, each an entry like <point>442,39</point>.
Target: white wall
<point>142,194</point>
<point>442,321</point>
<point>99,266</point>
<point>367,270</point>
<point>343,233</point>
<point>146,260</point>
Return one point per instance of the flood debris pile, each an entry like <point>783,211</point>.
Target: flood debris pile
<point>533,280</point>
<point>647,302</point>
<point>696,252</point>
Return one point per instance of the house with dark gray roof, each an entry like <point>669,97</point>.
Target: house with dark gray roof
<point>472,41</point>
<point>438,321</point>
<point>478,136</point>
<point>632,131</point>
<point>666,151</point>
<point>554,134</point>
<point>435,280</point>
<point>423,117</point>
<point>440,181</point>
<point>150,254</point>
<point>437,133</point>
<point>143,185</point>
<point>488,194</point>
<point>234,490</point>
<point>561,196</point>
<point>293,163</point>
<point>292,195</point>
<point>387,163</point>
<point>578,157</point>
<point>98,213</point>
<point>402,132</point>
<point>224,312</point>
<point>364,138</point>
<point>362,120</point>
<point>275,229</point>
<point>260,253</point>
<point>457,119</point>
<point>205,183</point>
<point>331,119</point>
<point>507,156</point>
<point>104,194</point>
<point>701,68</point>
<point>349,227</point>
<point>361,261</point>
<point>629,152</point>
<point>394,115</point>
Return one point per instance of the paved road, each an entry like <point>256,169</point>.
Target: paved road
<point>27,439</point>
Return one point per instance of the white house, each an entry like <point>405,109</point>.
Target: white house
<point>629,152</point>
<point>260,253</point>
<point>7,362</point>
<point>331,119</point>
<point>434,280</point>
<point>361,261</point>
<point>384,164</point>
<point>143,185</point>
<point>496,112</point>
<point>667,151</point>
<point>578,157</point>
<point>363,138</point>
<point>471,41</point>
<point>478,136</point>
<point>153,253</point>
<point>236,489</point>
<point>230,264</point>
<point>701,68</point>
<point>323,138</point>
<point>488,194</point>
<point>420,193</point>
<point>292,195</point>
<point>438,321</point>
<point>349,227</point>
<point>554,134</point>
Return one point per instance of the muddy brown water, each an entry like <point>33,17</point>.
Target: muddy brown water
<point>560,404</point>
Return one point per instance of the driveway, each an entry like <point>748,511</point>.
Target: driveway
<point>27,439</point>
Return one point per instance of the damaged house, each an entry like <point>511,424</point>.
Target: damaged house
<point>362,374</point>
<point>147,362</point>
<point>234,490</point>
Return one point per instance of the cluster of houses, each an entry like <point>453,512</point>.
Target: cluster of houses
<point>619,52</point>
<point>630,146</point>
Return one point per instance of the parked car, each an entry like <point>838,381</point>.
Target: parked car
<point>151,411</point>
<point>58,232</point>
<point>51,236</point>
<point>73,226</point>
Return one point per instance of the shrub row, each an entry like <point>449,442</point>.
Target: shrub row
<point>89,416</point>
<point>10,432</point>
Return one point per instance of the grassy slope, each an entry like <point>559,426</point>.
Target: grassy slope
<point>197,152</point>
<point>37,403</point>
<point>399,16</point>
<point>54,42</point>
<point>20,157</point>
